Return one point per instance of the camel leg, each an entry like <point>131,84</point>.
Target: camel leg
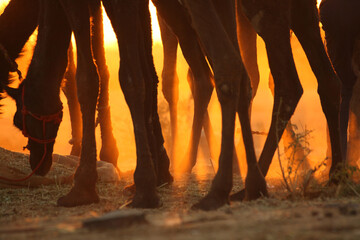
<point>287,85</point>
<point>248,49</point>
<point>170,79</point>
<point>209,133</point>
<point>255,182</point>
<point>340,42</point>
<point>69,89</point>
<point>199,85</point>
<point>154,132</point>
<point>353,153</point>
<point>247,43</point>
<point>218,41</point>
<point>213,145</point>
<point>125,18</point>
<point>84,189</point>
<point>176,18</point>
<point>108,151</point>
<point>294,150</point>
<point>305,24</point>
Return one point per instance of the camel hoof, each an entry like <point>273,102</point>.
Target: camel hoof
<point>239,196</point>
<point>145,201</point>
<point>255,185</point>
<point>164,175</point>
<point>255,190</point>
<point>77,197</point>
<point>211,202</point>
<point>255,194</point>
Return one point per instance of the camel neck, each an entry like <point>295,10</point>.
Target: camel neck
<point>41,97</point>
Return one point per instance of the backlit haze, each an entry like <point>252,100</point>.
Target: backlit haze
<point>308,113</point>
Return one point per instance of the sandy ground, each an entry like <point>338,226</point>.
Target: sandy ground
<point>31,213</point>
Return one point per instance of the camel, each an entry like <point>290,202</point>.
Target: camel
<point>174,20</point>
<point>342,31</point>
<point>215,24</point>
<point>195,77</point>
<point>188,45</point>
<point>247,43</point>
<point>272,20</point>
<point>22,26</point>
<point>140,91</point>
<point>353,153</point>
<point>39,107</point>
<point>209,18</point>
<point>170,90</point>
<point>135,50</point>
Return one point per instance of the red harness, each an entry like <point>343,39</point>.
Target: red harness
<point>54,118</point>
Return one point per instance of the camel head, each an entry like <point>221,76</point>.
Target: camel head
<point>40,129</point>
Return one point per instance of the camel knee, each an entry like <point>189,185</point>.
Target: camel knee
<point>330,99</point>
<point>133,89</point>
<point>227,91</point>
<point>201,87</point>
<point>88,87</point>
<point>289,97</point>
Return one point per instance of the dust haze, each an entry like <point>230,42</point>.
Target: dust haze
<point>307,115</point>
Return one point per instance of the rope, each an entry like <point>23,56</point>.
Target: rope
<point>55,118</point>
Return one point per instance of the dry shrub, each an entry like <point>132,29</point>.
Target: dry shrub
<point>295,178</point>
<point>300,182</point>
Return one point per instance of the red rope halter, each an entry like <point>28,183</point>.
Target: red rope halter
<point>54,118</point>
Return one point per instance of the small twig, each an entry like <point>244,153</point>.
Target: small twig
<point>259,133</point>
<point>163,185</point>
<point>254,132</point>
<point>125,204</point>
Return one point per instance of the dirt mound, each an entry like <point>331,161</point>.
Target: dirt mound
<point>14,165</point>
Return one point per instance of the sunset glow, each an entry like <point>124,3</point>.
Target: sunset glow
<point>154,24</point>
<point>120,135</point>
<point>109,35</point>
<point>3,3</point>
<point>122,124</point>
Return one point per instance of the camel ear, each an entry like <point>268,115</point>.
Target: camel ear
<point>14,93</point>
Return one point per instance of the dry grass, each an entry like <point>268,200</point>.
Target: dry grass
<point>27,213</point>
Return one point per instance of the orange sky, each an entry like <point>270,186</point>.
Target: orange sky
<point>109,34</point>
